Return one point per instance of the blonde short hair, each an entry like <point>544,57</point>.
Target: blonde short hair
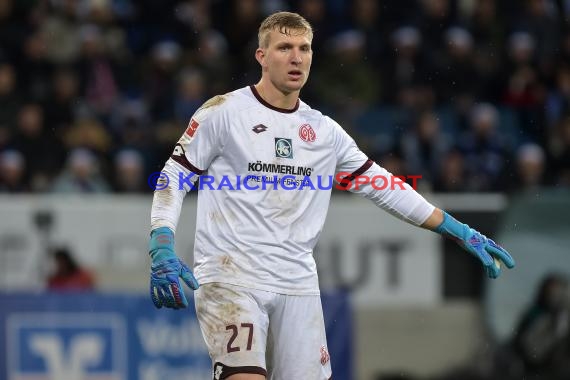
<point>284,22</point>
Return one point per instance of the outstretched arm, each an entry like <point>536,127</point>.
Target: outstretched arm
<point>407,204</point>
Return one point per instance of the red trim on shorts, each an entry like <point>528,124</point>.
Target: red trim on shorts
<point>229,371</point>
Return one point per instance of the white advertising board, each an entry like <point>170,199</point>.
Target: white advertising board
<point>381,259</point>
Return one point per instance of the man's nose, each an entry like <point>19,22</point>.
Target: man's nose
<point>296,57</point>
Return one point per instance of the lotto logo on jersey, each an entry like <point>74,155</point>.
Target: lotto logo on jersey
<point>283,148</point>
<point>48,346</point>
<point>192,126</point>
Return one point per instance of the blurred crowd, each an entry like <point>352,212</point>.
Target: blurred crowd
<point>474,95</point>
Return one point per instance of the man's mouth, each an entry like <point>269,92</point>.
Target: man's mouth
<point>295,74</point>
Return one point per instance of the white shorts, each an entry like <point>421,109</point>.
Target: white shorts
<point>252,331</point>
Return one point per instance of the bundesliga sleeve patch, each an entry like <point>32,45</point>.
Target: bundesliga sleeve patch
<point>192,127</point>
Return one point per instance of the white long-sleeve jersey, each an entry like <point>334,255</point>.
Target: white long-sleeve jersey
<point>265,185</point>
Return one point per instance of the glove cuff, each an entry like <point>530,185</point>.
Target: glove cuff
<point>161,238</point>
<point>451,227</point>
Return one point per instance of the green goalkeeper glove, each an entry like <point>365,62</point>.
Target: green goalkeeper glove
<point>486,250</point>
<point>166,271</point>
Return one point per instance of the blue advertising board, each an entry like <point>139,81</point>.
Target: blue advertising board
<point>90,336</point>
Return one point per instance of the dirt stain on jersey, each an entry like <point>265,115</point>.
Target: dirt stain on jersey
<point>226,261</point>
<point>163,197</point>
<point>215,101</point>
<point>227,264</point>
<point>216,217</point>
<point>232,215</point>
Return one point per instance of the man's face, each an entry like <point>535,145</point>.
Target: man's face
<point>286,61</point>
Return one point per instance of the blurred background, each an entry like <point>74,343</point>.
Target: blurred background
<point>474,95</point>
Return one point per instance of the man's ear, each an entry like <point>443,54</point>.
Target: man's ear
<point>260,56</point>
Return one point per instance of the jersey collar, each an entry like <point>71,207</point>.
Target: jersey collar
<point>262,101</point>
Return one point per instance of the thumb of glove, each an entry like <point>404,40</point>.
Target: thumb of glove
<point>188,277</point>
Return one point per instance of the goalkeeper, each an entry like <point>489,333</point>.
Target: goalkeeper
<point>254,275</point>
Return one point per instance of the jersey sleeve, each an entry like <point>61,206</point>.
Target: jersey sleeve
<point>204,138</point>
<point>350,159</point>
<point>202,141</point>
<point>357,173</point>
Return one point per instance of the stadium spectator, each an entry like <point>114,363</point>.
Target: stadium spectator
<point>452,174</point>
<point>488,31</point>
<point>12,29</point>
<point>541,19</point>
<point>542,337</point>
<point>62,106</point>
<point>375,23</point>
<point>35,70</point>
<point>61,28</point>
<point>43,150</point>
<point>425,147</point>
<point>239,28</point>
<point>10,100</point>
<point>12,172</point>
<point>405,71</point>
<point>212,58</point>
<point>530,168</point>
<point>98,72</point>
<point>484,149</point>
<point>437,16</point>
<point>160,80</point>
<point>459,83</point>
<point>129,172</point>
<point>190,94</point>
<point>67,274</point>
<point>131,127</point>
<point>488,60</point>
<point>346,82</point>
<point>523,89</point>
<point>81,174</point>
<point>89,133</point>
<point>316,12</point>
